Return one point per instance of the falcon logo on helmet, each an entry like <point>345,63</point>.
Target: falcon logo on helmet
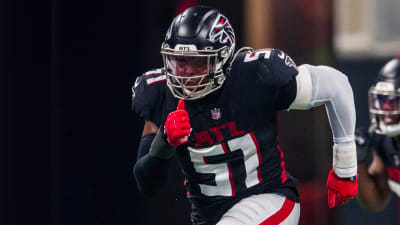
<point>222,31</point>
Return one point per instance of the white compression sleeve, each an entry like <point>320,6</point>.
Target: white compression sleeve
<point>317,85</point>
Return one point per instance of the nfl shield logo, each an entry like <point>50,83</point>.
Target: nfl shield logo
<point>216,113</point>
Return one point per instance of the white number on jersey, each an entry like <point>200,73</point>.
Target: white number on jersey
<point>223,171</point>
<point>251,56</point>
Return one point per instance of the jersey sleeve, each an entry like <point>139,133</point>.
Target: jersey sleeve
<point>283,71</point>
<point>148,94</point>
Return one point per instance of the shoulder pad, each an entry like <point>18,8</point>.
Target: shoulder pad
<point>275,62</point>
<point>148,95</point>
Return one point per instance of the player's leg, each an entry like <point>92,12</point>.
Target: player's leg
<point>263,209</point>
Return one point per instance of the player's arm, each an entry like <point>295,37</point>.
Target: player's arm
<point>323,85</point>
<point>150,170</point>
<point>374,193</point>
<point>373,190</point>
<point>157,148</point>
<point>154,154</point>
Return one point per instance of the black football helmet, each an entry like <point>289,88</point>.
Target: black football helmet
<point>384,100</point>
<point>198,47</point>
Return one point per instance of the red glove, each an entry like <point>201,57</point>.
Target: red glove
<point>340,190</point>
<point>177,126</point>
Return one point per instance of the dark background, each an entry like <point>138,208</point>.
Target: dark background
<point>68,139</point>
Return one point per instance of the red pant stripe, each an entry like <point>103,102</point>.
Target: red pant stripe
<point>281,215</point>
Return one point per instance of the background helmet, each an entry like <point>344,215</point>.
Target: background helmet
<point>198,47</point>
<point>384,100</point>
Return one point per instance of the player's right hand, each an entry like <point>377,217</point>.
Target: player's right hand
<point>177,126</point>
<point>340,190</point>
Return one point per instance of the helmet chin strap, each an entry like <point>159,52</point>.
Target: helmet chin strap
<point>389,130</point>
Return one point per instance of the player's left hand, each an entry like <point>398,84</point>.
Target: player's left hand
<point>340,190</point>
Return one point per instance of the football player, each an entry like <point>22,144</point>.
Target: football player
<point>380,145</point>
<point>216,111</point>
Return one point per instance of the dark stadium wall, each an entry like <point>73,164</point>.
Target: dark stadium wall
<point>25,122</point>
<point>70,138</point>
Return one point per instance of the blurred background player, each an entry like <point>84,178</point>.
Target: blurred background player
<point>378,147</point>
<point>224,133</point>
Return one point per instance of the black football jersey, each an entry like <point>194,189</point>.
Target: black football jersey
<point>232,151</point>
<point>385,147</point>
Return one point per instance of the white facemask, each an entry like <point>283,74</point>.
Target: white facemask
<point>388,130</point>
